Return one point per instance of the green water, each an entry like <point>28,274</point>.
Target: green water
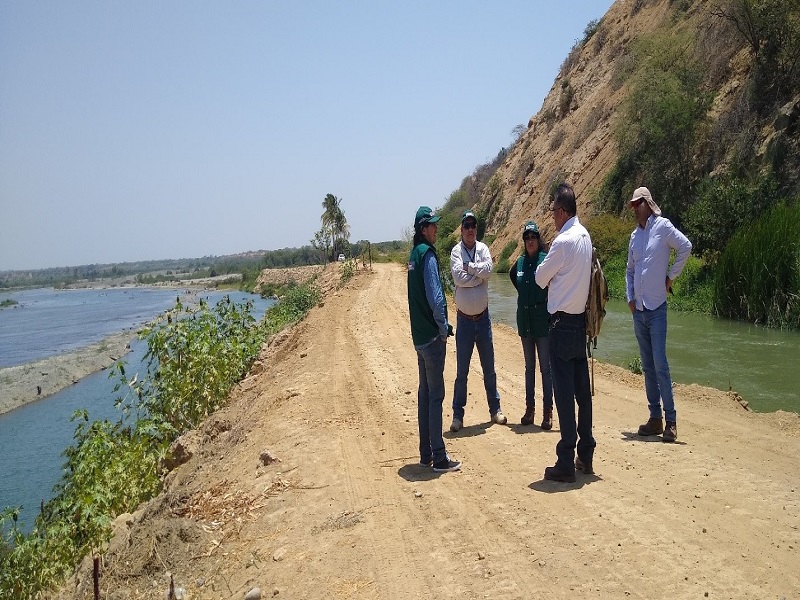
<point>763,365</point>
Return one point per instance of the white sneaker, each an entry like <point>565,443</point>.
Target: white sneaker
<point>456,425</point>
<point>499,418</point>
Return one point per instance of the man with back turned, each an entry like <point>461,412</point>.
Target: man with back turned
<point>566,272</point>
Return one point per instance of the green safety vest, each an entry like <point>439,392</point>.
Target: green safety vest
<point>423,326</point>
<point>532,316</point>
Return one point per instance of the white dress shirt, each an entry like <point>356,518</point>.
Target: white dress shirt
<point>471,271</point>
<point>566,269</point>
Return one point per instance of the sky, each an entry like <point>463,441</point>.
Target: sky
<point>151,130</point>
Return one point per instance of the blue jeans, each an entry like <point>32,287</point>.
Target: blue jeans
<point>650,327</point>
<point>469,334</point>
<point>532,346</point>
<point>571,384</point>
<point>430,397</point>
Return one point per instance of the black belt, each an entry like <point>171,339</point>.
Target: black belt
<point>560,314</point>
<point>477,317</point>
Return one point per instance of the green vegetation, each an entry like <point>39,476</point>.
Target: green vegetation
<point>725,204</point>
<point>693,290</point>
<point>193,361</point>
<point>771,30</point>
<point>758,275</point>
<point>348,270</point>
<point>635,365</point>
<point>8,302</point>
<point>711,179</point>
<point>503,265</point>
<point>659,132</point>
<point>610,235</point>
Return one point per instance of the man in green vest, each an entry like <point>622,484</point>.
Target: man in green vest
<point>427,308</point>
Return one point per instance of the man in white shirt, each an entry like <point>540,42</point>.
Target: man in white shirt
<point>566,271</point>
<point>647,282</point>
<point>471,266</point>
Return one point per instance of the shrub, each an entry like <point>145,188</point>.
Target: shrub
<point>694,289</point>
<point>348,270</point>
<point>610,235</point>
<point>193,362</point>
<point>635,365</point>
<point>661,125</point>
<point>724,205</point>
<point>758,275</point>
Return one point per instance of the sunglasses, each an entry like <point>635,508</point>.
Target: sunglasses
<point>469,225</point>
<point>637,202</point>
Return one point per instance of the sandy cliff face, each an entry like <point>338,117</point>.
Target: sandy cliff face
<point>572,136</point>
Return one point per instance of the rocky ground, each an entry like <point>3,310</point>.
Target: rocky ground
<point>307,486</point>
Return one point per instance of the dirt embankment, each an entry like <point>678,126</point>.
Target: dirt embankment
<point>307,486</point>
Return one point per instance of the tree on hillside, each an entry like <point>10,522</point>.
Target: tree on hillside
<point>771,29</point>
<point>662,125</point>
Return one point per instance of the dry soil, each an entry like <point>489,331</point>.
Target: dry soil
<point>307,485</point>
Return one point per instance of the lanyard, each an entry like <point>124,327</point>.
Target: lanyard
<point>474,252</point>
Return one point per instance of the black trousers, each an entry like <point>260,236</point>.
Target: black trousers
<point>570,370</point>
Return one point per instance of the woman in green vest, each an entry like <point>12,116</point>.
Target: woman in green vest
<point>533,324</point>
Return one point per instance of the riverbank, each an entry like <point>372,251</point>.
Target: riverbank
<point>36,380</point>
<point>308,485</point>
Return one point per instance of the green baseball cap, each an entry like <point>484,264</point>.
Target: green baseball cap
<point>424,216</point>
<point>531,227</point>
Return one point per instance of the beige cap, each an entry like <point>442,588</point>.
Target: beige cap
<point>643,192</point>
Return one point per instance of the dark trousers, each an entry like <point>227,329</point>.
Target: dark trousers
<point>570,370</point>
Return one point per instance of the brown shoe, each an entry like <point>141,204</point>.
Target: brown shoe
<point>652,427</point>
<point>671,432</point>
<point>547,419</point>
<point>527,418</point>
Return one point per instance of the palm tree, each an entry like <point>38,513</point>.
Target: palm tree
<point>341,230</point>
<point>334,223</point>
<point>330,215</point>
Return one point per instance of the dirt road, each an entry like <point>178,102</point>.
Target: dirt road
<point>346,512</point>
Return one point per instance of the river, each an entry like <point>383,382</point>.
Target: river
<point>34,436</point>
<point>758,363</point>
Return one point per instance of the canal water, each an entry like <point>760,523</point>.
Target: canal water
<point>763,365</point>
<point>33,437</point>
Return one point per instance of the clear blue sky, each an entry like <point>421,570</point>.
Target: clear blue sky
<point>147,130</point>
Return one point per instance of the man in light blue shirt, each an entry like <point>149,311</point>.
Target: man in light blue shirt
<point>648,278</point>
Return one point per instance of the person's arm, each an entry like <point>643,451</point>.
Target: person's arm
<point>483,265</point>
<point>433,291</point>
<point>630,270</point>
<point>548,268</point>
<point>512,275</point>
<point>461,278</point>
<point>683,248</point>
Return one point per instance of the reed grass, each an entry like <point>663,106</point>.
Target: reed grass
<point>758,275</point>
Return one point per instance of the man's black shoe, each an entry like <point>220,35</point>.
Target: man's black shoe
<point>585,466</point>
<point>446,465</point>
<point>553,474</point>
